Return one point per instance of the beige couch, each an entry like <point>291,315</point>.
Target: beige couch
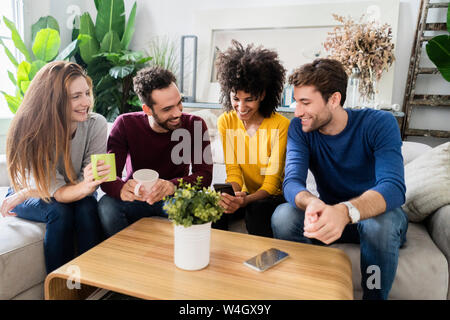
<point>423,270</point>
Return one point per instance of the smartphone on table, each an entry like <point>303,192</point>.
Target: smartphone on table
<point>266,259</point>
<point>224,188</point>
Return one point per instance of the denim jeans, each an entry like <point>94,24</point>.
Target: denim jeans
<point>116,214</point>
<point>64,223</point>
<point>257,216</point>
<point>380,239</point>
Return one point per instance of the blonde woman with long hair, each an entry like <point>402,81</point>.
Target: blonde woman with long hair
<point>48,150</point>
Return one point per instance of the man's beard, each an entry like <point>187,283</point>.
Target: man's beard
<point>320,123</point>
<point>324,122</point>
<point>165,124</point>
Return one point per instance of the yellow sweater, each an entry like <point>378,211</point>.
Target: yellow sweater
<point>255,162</point>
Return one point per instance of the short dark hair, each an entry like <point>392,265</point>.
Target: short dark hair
<point>149,79</point>
<point>253,70</point>
<point>327,75</point>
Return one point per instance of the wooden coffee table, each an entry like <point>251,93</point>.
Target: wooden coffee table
<point>138,261</point>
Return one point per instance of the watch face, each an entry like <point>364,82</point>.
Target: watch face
<point>354,214</point>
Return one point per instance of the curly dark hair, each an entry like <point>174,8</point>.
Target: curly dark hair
<point>253,70</point>
<point>327,75</point>
<point>149,79</point>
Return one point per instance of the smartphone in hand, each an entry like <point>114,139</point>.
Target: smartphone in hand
<point>224,188</point>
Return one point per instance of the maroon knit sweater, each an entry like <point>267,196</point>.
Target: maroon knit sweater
<point>137,146</point>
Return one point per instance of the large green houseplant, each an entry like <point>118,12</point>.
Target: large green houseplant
<point>45,47</point>
<point>104,52</point>
<point>438,50</point>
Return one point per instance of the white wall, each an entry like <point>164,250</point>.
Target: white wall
<point>176,17</point>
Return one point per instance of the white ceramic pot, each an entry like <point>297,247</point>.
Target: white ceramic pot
<point>191,246</point>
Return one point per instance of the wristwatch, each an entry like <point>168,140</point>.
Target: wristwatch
<point>353,213</point>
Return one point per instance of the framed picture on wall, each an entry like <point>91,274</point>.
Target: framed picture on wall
<point>295,32</point>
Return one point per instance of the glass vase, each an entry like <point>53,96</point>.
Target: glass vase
<point>353,96</point>
<point>370,98</point>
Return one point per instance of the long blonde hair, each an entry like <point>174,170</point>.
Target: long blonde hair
<point>40,132</point>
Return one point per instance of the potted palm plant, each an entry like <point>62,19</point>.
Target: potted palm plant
<point>192,209</point>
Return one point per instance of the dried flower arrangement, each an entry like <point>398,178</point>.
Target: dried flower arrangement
<point>366,45</point>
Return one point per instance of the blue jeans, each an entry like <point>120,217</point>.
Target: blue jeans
<point>64,223</point>
<point>380,239</point>
<point>116,214</point>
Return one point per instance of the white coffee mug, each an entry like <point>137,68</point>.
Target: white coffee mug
<point>146,178</point>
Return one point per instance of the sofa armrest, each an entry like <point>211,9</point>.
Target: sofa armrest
<point>4,179</point>
<point>438,225</point>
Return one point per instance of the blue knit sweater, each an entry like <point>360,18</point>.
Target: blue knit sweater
<point>366,155</point>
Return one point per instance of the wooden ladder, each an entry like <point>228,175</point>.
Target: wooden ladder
<point>412,99</point>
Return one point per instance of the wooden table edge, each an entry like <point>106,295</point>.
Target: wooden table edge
<point>56,286</point>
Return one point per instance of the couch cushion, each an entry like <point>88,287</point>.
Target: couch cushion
<point>438,225</point>
<point>219,173</point>
<point>411,150</point>
<point>22,263</point>
<point>210,119</point>
<point>422,272</point>
<point>34,293</point>
<point>427,180</point>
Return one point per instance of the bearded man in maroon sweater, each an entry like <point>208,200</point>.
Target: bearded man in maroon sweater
<point>162,138</point>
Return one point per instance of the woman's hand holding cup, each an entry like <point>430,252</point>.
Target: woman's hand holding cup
<point>89,182</point>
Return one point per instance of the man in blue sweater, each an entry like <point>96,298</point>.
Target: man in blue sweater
<point>355,157</point>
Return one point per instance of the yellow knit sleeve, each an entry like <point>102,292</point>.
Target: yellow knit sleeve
<point>274,172</point>
<point>226,126</point>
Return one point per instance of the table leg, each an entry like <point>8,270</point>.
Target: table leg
<point>57,289</point>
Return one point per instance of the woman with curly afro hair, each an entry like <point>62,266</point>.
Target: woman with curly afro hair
<point>253,134</point>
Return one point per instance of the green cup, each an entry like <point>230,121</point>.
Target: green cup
<point>109,159</point>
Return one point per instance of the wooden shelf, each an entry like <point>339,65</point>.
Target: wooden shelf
<point>438,5</point>
<point>441,101</point>
<point>428,133</point>
<point>411,99</point>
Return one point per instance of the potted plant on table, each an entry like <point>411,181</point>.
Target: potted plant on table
<point>192,209</point>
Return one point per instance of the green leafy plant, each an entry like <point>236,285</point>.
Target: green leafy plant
<point>104,52</point>
<point>193,204</point>
<point>45,47</point>
<point>438,50</point>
